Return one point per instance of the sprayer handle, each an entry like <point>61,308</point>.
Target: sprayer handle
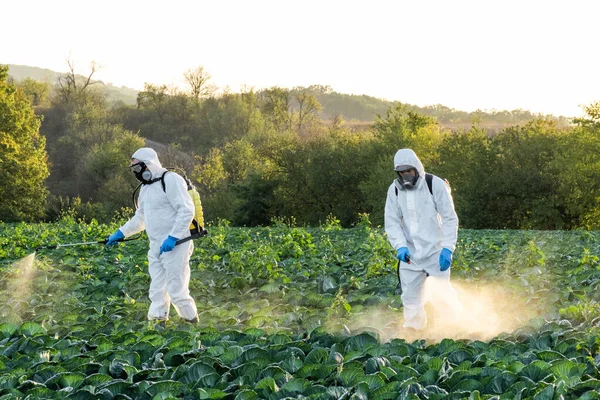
<point>203,232</point>
<point>118,240</point>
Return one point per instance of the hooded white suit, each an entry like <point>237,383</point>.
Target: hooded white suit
<point>425,224</point>
<point>163,213</point>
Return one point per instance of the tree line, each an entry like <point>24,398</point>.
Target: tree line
<point>260,156</point>
<point>357,110</point>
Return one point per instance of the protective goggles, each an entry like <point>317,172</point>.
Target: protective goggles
<point>406,171</point>
<point>138,167</point>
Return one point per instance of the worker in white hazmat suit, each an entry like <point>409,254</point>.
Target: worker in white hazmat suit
<point>165,212</point>
<point>422,226</point>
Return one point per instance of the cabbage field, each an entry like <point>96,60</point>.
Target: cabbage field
<point>297,313</point>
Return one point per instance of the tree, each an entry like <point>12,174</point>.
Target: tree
<point>23,158</point>
<point>400,128</point>
<point>155,98</point>
<point>73,88</point>
<point>74,100</point>
<point>308,109</point>
<point>277,107</point>
<point>104,174</point>
<point>197,79</point>
<point>592,119</point>
<point>37,92</point>
<point>577,164</point>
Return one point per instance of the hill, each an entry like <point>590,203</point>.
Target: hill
<point>113,93</point>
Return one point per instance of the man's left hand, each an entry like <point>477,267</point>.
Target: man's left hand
<point>445,259</point>
<point>168,244</point>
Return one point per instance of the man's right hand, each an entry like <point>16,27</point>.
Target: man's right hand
<point>403,255</point>
<point>115,237</point>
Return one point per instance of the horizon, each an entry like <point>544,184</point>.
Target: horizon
<point>333,90</point>
<point>494,56</point>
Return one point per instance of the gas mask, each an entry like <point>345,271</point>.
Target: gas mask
<point>141,172</point>
<point>408,178</point>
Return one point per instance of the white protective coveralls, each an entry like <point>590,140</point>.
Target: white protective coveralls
<point>425,223</point>
<point>164,213</point>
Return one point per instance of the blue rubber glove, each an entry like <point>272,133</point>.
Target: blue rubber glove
<point>445,259</point>
<point>115,237</point>
<point>168,244</point>
<point>402,254</point>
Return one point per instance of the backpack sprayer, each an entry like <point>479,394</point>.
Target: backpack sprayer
<point>196,226</point>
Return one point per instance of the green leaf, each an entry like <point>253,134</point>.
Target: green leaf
<point>84,393</point>
<point>117,386</point>
<point>270,288</point>
<point>279,339</point>
<point>329,285</point>
<point>168,395</point>
<point>117,370</point>
<point>8,329</point>
<point>361,342</point>
<point>475,395</point>
<point>291,364</point>
<point>568,371</point>
<point>45,373</point>
<point>373,364</point>
<point>337,392</point>
<point>165,386</point>
<point>296,385</point>
<point>209,394</point>
<point>318,372</point>
<point>545,394</point>
<point>430,377</point>
<point>253,354</point>
<point>590,395</point>
<point>350,376</point>
<point>501,382</point>
<point>209,380</point>
<point>590,384</point>
<point>549,355</point>
<point>246,394</point>
<point>374,381</point>
<point>28,385</point>
<point>459,356</point>
<point>196,372</point>
<point>318,355</point>
<point>65,379</point>
<point>543,342</point>
<point>468,385</point>
<point>267,383</point>
<point>32,329</point>
<point>96,379</point>
<point>231,354</point>
<point>536,371</point>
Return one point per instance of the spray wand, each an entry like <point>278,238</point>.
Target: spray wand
<point>196,235</point>
<point>408,261</point>
<point>56,246</point>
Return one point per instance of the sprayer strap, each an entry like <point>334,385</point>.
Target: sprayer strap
<point>180,171</point>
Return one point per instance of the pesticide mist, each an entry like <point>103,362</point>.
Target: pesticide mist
<point>17,287</point>
<point>483,312</point>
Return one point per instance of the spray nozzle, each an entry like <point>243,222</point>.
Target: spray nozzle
<point>409,261</point>
<point>50,247</point>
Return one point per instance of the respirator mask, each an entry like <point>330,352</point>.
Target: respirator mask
<point>141,172</point>
<point>408,178</point>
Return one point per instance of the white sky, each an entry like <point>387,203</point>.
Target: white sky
<point>539,55</point>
